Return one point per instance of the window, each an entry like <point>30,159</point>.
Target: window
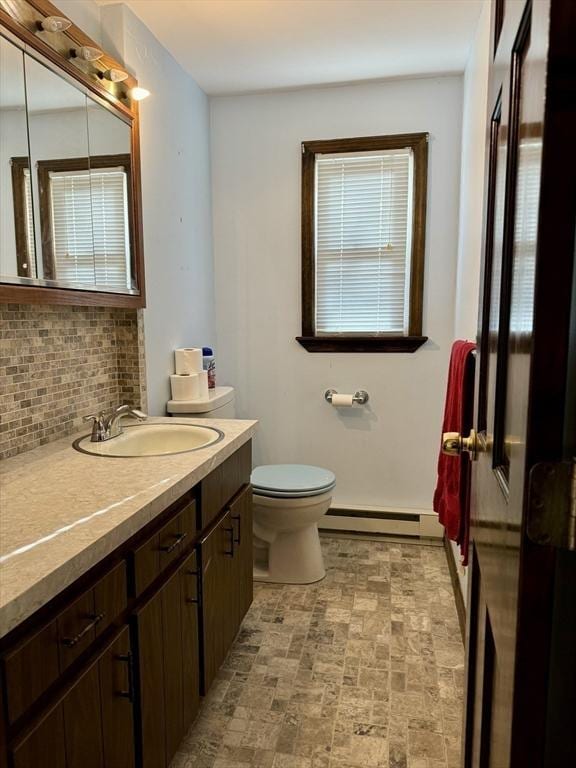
<point>363,228</point>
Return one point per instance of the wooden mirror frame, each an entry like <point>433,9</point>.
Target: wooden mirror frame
<point>21,18</point>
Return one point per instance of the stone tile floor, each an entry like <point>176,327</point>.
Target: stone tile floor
<point>363,669</point>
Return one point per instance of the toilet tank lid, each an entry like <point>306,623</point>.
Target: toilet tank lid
<point>292,478</point>
<point>217,397</point>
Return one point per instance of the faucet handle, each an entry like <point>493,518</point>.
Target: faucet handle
<point>98,427</point>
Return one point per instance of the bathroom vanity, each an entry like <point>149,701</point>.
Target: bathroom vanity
<point>118,606</point>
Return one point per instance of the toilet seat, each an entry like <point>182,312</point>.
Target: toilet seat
<point>291,481</point>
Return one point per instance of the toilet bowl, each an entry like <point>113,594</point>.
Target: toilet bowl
<point>289,500</point>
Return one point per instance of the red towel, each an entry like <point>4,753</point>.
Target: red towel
<point>452,494</point>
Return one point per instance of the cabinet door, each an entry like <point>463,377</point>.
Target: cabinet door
<point>241,515</point>
<point>117,691</point>
<point>46,739</point>
<point>151,684</point>
<point>189,580</point>
<point>83,722</point>
<point>218,616</point>
<point>172,651</point>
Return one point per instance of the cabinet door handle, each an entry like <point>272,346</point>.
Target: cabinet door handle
<point>129,660</point>
<point>178,540</point>
<point>70,642</point>
<point>231,532</point>
<point>238,518</point>
<point>194,600</point>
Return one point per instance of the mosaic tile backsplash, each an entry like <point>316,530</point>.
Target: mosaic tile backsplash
<point>58,364</point>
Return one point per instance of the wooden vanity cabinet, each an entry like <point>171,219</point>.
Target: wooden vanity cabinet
<point>109,674</point>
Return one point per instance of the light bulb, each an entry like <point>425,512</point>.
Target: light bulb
<point>114,75</point>
<point>138,93</point>
<point>87,53</point>
<point>55,24</point>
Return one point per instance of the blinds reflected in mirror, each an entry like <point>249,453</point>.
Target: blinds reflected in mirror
<point>89,217</point>
<point>363,242</point>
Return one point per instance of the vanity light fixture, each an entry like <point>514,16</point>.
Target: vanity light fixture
<point>86,52</point>
<point>54,24</point>
<point>137,93</point>
<point>114,75</point>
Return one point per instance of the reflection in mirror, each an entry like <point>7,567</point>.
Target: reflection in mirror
<point>111,188</point>
<point>59,155</point>
<point>17,256</point>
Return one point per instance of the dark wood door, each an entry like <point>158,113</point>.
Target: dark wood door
<point>523,390</point>
<point>151,721</point>
<point>47,738</point>
<point>117,693</point>
<point>219,619</point>
<point>241,516</point>
<point>189,582</point>
<point>173,664</point>
<point>83,722</point>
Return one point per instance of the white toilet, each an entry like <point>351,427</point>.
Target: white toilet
<point>289,500</point>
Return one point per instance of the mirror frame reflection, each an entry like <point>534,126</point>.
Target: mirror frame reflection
<point>20,28</point>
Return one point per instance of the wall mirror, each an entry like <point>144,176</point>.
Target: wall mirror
<point>69,178</point>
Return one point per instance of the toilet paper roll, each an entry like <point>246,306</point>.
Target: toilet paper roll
<point>188,360</point>
<point>342,401</point>
<point>203,393</point>
<point>184,387</point>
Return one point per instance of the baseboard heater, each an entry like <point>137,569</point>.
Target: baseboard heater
<point>378,520</point>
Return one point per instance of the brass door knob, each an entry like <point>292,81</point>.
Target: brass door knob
<point>453,444</point>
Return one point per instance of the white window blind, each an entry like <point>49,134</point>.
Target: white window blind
<point>363,242</point>
<point>90,226</point>
<point>31,256</point>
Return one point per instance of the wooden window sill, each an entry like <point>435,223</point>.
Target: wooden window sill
<point>361,343</point>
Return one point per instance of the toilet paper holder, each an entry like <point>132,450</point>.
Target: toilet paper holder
<point>361,396</point>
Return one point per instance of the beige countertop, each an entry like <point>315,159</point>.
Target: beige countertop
<point>62,511</point>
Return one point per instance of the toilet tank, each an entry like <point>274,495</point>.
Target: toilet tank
<point>220,405</point>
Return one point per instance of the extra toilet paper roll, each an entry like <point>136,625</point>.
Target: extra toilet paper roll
<point>342,401</point>
<point>188,360</point>
<point>203,393</point>
<point>184,387</point>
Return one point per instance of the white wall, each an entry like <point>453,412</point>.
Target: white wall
<point>384,454</point>
<point>474,128</point>
<point>175,153</point>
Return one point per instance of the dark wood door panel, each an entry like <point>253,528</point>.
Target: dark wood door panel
<point>522,394</point>
<point>116,673</point>
<point>241,516</point>
<point>173,664</point>
<point>83,722</point>
<point>190,592</point>
<point>47,739</point>
<point>150,685</point>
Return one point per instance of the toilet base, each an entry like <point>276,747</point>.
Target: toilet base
<point>282,568</point>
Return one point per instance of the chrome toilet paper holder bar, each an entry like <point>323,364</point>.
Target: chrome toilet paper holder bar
<point>361,396</point>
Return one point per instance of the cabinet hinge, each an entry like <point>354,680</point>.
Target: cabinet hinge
<point>552,504</point>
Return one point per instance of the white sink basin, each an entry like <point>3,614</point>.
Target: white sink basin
<point>152,440</point>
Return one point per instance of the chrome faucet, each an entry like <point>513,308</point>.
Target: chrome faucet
<point>106,425</point>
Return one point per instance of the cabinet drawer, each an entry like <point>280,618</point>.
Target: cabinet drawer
<point>163,547</point>
<point>224,482</point>
<point>92,613</point>
<point>35,663</point>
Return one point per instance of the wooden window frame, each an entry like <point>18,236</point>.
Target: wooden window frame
<point>414,339</point>
<point>18,166</point>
